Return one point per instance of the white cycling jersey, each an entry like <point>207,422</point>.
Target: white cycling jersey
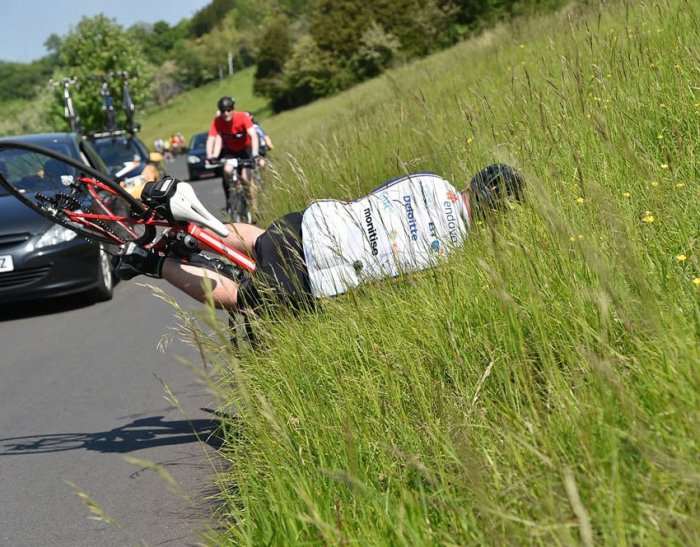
<point>405,225</point>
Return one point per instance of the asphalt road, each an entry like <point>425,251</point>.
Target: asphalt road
<point>78,394</point>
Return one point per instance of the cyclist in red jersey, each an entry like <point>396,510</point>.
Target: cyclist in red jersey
<point>232,135</point>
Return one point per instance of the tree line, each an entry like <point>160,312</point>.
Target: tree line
<point>302,49</point>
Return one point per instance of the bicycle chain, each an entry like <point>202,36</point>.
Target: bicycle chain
<point>60,201</point>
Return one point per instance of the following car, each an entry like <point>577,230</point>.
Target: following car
<point>196,158</point>
<point>40,259</point>
<point>129,161</point>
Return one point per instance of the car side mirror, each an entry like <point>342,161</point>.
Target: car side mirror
<point>155,157</point>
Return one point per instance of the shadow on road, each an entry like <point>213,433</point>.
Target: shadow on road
<point>34,308</point>
<point>136,435</point>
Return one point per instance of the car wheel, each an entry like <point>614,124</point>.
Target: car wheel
<point>105,277</point>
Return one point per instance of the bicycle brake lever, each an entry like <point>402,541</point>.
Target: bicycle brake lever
<point>185,206</point>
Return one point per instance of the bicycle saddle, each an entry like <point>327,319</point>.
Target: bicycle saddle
<point>176,200</point>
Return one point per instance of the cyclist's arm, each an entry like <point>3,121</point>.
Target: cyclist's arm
<point>213,146</point>
<point>254,141</point>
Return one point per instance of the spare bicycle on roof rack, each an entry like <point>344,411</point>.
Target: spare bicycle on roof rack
<point>68,108</point>
<point>129,160</point>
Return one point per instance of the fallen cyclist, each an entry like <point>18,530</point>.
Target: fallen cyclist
<point>405,225</point>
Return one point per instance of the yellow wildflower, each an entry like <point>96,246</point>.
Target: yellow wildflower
<point>648,217</point>
<point>580,200</point>
<point>680,184</point>
<point>697,281</point>
<point>654,182</point>
<point>681,257</point>
<point>664,166</point>
<point>627,194</point>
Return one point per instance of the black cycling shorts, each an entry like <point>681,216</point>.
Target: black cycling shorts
<point>281,275</point>
<point>245,154</point>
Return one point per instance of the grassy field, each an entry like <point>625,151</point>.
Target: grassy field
<point>543,386</point>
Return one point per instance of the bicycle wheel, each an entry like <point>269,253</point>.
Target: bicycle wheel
<point>238,204</point>
<point>70,193</point>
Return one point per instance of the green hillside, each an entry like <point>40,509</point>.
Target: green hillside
<point>193,111</point>
<point>542,387</point>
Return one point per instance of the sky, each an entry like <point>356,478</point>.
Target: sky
<point>26,24</point>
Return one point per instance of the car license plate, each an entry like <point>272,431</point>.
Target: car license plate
<point>6,264</point>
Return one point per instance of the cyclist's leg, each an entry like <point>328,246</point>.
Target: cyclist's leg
<point>226,175</point>
<point>242,237</point>
<point>250,190</point>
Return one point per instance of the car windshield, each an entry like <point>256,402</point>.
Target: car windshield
<point>116,152</point>
<point>199,141</point>
<point>30,171</point>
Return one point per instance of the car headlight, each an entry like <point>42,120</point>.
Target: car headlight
<point>193,159</point>
<point>53,236</point>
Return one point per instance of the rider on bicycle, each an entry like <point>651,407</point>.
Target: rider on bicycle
<point>265,143</point>
<point>232,135</point>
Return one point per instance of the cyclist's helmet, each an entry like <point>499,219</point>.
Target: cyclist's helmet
<point>494,186</point>
<point>226,103</point>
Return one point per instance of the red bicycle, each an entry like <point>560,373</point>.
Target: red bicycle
<point>88,202</point>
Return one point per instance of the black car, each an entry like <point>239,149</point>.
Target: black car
<point>127,157</point>
<point>40,259</point>
<point>196,158</point>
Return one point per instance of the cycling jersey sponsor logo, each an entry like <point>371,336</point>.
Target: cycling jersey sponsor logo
<point>386,202</point>
<point>393,235</point>
<point>452,196</point>
<point>410,217</point>
<point>451,218</point>
<point>433,229</point>
<point>371,232</point>
<point>435,245</point>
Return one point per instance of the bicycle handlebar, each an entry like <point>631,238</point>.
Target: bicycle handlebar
<point>239,163</point>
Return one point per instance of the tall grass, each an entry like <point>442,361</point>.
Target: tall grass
<point>542,386</point>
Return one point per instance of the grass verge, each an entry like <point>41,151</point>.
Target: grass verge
<point>540,387</point>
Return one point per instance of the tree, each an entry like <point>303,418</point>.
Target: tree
<point>337,25</point>
<point>214,47</point>
<point>159,41</point>
<point>274,49</point>
<point>97,47</point>
<point>22,81</point>
<point>376,52</point>
<point>209,16</point>
<point>53,45</point>
<point>309,74</point>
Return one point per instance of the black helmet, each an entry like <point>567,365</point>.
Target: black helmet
<point>226,103</point>
<point>494,185</point>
